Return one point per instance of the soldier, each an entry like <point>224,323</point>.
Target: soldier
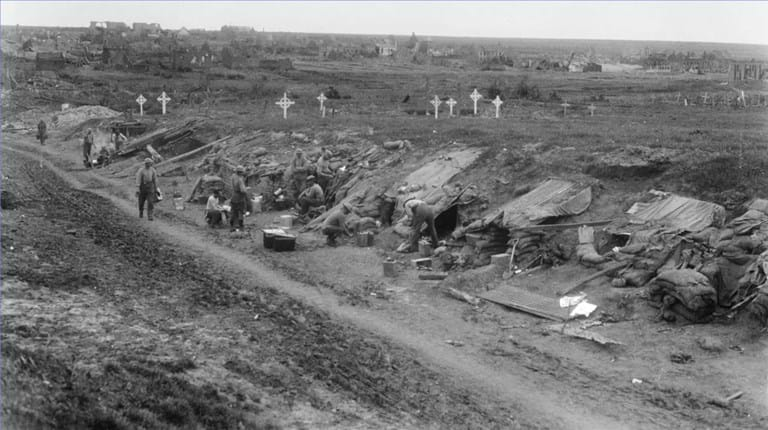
<point>312,196</point>
<point>336,225</point>
<point>87,148</point>
<point>146,181</point>
<point>42,132</point>
<point>239,199</point>
<point>420,213</point>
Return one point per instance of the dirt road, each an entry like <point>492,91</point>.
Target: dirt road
<point>114,323</point>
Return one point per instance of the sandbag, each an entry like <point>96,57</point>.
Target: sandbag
<point>686,292</point>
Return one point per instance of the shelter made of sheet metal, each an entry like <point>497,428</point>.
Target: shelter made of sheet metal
<point>431,179</point>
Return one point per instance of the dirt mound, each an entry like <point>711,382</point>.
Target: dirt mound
<point>73,117</point>
<point>635,162</point>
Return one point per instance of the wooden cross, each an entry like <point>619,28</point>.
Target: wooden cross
<point>497,102</point>
<point>592,109</point>
<point>285,103</point>
<point>163,99</point>
<point>451,103</point>
<point>565,106</point>
<point>436,102</point>
<point>322,98</point>
<point>141,100</point>
<point>705,97</point>
<point>475,96</point>
<point>677,100</point>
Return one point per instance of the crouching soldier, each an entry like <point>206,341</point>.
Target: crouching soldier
<point>336,224</point>
<point>420,212</point>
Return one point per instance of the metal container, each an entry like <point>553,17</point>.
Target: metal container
<point>390,269</point>
<point>284,243</point>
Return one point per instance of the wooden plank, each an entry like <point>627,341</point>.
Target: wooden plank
<point>526,301</point>
<point>551,227</point>
<point>192,152</point>
<point>583,334</point>
<point>567,289</point>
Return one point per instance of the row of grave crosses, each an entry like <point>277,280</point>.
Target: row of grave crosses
<point>284,103</point>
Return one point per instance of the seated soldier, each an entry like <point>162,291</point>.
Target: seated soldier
<point>214,211</point>
<point>312,196</point>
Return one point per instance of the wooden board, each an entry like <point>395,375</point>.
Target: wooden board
<point>526,301</point>
<point>583,334</point>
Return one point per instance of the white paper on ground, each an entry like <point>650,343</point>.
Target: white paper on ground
<point>584,308</point>
<point>569,301</point>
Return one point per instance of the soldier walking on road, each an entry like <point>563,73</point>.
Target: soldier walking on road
<point>87,148</point>
<point>42,132</point>
<point>146,180</point>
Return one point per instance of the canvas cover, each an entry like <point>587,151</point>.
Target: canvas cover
<point>552,199</point>
<point>680,213</point>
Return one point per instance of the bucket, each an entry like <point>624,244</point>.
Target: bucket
<point>284,243</point>
<point>178,203</point>
<point>425,249</point>
<point>390,270</point>
<point>256,205</point>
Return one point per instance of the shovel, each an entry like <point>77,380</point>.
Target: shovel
<point>510,269</point>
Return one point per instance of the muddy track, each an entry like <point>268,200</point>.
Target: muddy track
<point>387,378</point>
<point>81,243</point>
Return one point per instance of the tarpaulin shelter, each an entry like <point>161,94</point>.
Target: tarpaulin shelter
<point>427,183</point>
<point>553,199</point>
<point>679,213</point>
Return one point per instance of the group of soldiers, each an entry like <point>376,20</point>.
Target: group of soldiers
<point>307,185</point>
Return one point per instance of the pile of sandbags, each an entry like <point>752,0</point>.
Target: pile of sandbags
<point>526,246</point>
<point>490,242</point>
<point>684,292</point>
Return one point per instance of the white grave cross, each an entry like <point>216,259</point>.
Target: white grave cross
<point>436,102</point>
<point>475,96</point>
<point>163,99</point>
<point>497,102</point>
<point>592,109</point>
<point>565,106</point>
<point>705,97</point>
<point>285,103</point>
<point>451,103</point>
<point>141,100</point>
<point>322,98</point>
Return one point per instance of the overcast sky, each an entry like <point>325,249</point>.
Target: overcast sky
<point>705,21</point>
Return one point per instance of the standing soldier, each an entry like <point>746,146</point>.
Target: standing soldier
<point>239,197</point>
<point>42,132</point>
<point>146,180</point>
<point>87,147</point>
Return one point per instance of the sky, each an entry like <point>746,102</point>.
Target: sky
<point>695,21</point>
